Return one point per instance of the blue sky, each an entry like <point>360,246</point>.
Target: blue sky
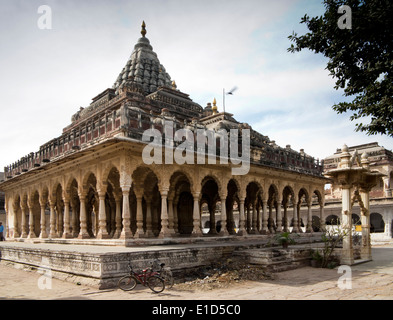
<point>205,46</point>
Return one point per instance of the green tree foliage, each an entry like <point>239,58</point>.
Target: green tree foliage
<point>360,58</point>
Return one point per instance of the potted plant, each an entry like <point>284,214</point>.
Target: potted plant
<point>284,239</point>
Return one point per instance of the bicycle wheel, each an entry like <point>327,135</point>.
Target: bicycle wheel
<point>156,284</point>
<point>168,278</point>
<point>127,283</point>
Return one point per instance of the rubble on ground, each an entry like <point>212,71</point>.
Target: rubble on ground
<point>221,275</point>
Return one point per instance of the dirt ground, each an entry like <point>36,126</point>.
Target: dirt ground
<point>365,282</point>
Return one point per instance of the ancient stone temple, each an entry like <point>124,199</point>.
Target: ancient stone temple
<point>92,181</point>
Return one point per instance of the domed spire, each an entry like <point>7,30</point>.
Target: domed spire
<point>144,68</point>
<point>143,32</point>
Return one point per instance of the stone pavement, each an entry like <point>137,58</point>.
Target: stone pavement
<point>371,280</point>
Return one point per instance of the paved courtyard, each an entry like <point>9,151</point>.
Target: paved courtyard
<point>372,280</point>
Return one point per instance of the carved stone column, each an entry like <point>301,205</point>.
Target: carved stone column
<point>295,228</point>
<point>15,207</point>
<point>270,218</point>
<point>149,219</point>
<point>139,233</point>
<point>279,216</point>
<point>126,232</point>
<point>74,220</point>
<point>43,233</point>
<point>242,229</point>
<point>196,216</point>
<point>31,234</point>
<point>52,220</point>
<point>102,230</point>
<point>24,220</point>
<point>170,214</point>
<point>67,230</point>
<point>346,222</point>
<point>286,220</point>
<point>83,233</point>
<point>264,229</point>
<point>118,217</point>
<point>224,230</point>
<point>309,218</point>
<point>254,229</point>
<point>165,231</point>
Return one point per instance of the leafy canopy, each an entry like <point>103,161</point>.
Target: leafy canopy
<point>360,58</point>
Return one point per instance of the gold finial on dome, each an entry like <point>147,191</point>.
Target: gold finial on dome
<point>143,32</point>
<point>174,86</point>
<point>215,109</point>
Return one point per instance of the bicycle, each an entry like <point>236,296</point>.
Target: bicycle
<point>147,278</point>
<point>164,273</point>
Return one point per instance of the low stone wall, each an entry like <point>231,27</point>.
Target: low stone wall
<point>104,270</point>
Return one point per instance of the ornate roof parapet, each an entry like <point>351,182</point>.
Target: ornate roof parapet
<point>377,155</point>
<point>177,102</point>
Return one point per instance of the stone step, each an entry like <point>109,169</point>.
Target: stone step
<point>276,260</point>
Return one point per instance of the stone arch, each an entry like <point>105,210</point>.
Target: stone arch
<point>145,202</point>
<point>179,173</point>
<point>303,201</point>
<point>377,224</point>
<point>89,185</point>
<point>17,215</point>
<point>356,219</point>
<point>210,189</point>
<point>232,206</point>
<point>72,190</point>
<point>140,173</point>
<point>332,220</point>
<point>34,210</point>
<point>317,197</point>
<point>113,193</point>
<point>252,206</point>
<point>181,201</point>
<point>288,199</point>
<point>212,176</point>
<point>89,180</point>
<point>44,204</point>
<point>108,169</point>
<point>303,193</point>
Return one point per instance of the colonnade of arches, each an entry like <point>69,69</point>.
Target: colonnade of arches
<point>103,206</point>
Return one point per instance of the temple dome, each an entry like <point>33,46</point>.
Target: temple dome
<point>143,67</point>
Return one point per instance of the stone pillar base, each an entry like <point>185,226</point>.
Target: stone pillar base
<point>102,235</point>
<point>43,235</point>
<point>31,235</point>
<point>53,235</point>
<point>166,234</point>
<point>84,236</point>
<point>126,235</point>
<point>224,233</point>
